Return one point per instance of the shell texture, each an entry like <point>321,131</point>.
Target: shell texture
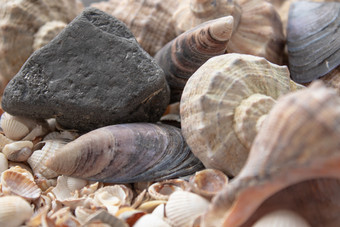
<point>151,221</point>
<point>224,104</point>
<point>4,140</point>
<point>18,151</point>
<point>281,218</point>
<point>19,23</point>
<point>14,211</point>
<point>103,217</point>
<point>162,190</point>
<point>47,32</point>
<point>105,154</point>
<point>332,79</point>
<point>181,57</point>
<point>297,142</point>
<point>149,20</point>
<point>313,39</point>
<point>3,163</point>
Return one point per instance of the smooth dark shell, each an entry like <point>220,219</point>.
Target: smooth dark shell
<point>127,153</point>
<point>313,39</point>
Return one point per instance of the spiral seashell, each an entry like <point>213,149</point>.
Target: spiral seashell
<point>14,211</point>
<point>105,154</point>
<point>181,57</point>
<point>18,151</point>
<point>208,182</point>
<point>230,96</point>
<point>38,159</point>
<point>19,23</point>
<point>184,207</point>
<point>18,181</point>
<point>298,141</point>
<point>282,218</point>
<point>312,27</point>
<point>163,189</point>
<point>149,20</point>
<point>47,32</point>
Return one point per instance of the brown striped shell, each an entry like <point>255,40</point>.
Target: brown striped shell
<point>297,142</point>
<point>224,104</point>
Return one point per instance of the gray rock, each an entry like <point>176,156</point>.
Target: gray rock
<point>94,73</point>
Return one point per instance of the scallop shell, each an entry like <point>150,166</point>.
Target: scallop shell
<point>184,207</point>
<point>313,39</point>
<point>281,218</point>
<point>38,159</point>
<point>158,152</point>
<point>181,57</point>
<point>14,211</point>
<point>18,181</point>
<point>149,20</point>
<point>224,104</point>
<point>208,182</point>
<point>18,151</point>
<point>20,21</point>
<point>163,189</point>
<point>297,142</point>
<point>64,189</point>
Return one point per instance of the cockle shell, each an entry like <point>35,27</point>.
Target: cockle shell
<point>18,181</point>
<point>149,20</point>
<point>64,188</point>
<point>14,211</point>
<point>224,104</point>
<point>3,163</point>
<point>181,57</point>
<point>281,218</point>
<point>105,154</point>
<point>18,151</point>
<point>297,142</point>
<point>4,140</point>
<point>20,21</point>
<point>163,189</point>
<point>313,39</point>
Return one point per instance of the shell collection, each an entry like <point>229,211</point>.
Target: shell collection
<point>245,140</point>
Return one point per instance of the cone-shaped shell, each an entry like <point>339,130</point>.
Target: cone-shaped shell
<point>105,154</point>
<point>220,88</point>
<point>20,21</point>
<point>298,141</point>
<point>313,39</point>
<point>14,211</point>
<point>181,57</point>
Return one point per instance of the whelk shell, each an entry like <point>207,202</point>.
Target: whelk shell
<point>105,154</point>
<point>14,211</point>
<point>18,151</point>
<point>297,142</point>
<point>225,102</point>
<point>181,57</point>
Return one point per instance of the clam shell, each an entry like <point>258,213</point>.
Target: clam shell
<point>14,211</point>
<point>297,142</point>
<point>151,221</point>
<point>149,20</point>
<point>4,140</point>
<point>184,207</point>
<point>19,22</point>
<point>313,39</point>
<point>18,181</point>
<point>163,189</point>
<point>158,151</point>
<point>224,101</point>
<point>18,151</point>
<point>181,57</point>
<point>282,218</point>
<point>3,163</point>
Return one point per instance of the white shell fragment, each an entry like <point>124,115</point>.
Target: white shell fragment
<point>18,151</point>
<point>14,211</point>
<point>281,218</point>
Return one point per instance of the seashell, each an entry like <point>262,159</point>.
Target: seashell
<point>181,57</point>
<point>184,207</point>
<point>284,152</point>
<point>66,186</point>
<point>14,211</point>
<point>312,27</point>
<point>18,151</point>
<point>21,165</point>
<point>38,159</point>
<point>208,182</point>
<point>282,218</point>
<point>4,140</point>
<point>159,211</point>
<point>64,217</point>
<point>67,136</point>
<point>158,151</point>
<point>103,216</point>
<point>149,206</point>
<point>3,163</point>
<point>43,183</point>
<point>47,32</point>
<point>18,181</point>
<point>163,189</point>
<point>149,20</point>
<point>224,104</point>
<point>21,20</point>
<point>83,213</point>
<point>151,221</point>
<point>257,26</point>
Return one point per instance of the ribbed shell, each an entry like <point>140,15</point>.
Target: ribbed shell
<point>105,154</point>
<point>20,21</point>
<point>210,100</point>
<point>14,211</point>
<point>313,39</point>
<point>18,151</point>
<point>149,20</point>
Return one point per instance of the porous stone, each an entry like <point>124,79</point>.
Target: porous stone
<point>94,73</point>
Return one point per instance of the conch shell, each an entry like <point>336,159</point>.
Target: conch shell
<point>20,25</point>
<point>298,141</point>
<point>224,104</point>
<point>157,152</point>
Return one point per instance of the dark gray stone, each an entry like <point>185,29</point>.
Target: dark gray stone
<point>94,73</point>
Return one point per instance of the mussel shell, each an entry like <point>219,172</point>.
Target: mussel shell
<point>127,153</point>
<point>313,39</point>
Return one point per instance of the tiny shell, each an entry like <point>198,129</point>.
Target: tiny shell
<point>163,189</point>
<point>282,218</point>
<point>66,186</point>
<point>14,211</point>
<point>101,217</point>
<point>149,206</point>
<point>18,151</point>
<point>4,140</point>
<point>3,163</point>
<point>151,221</point>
